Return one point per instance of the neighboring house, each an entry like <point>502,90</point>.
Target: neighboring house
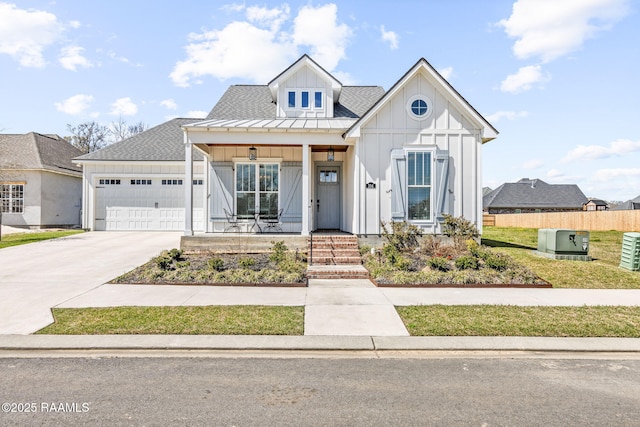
<point>633,204</point>
<point>304,148</point>
<point>40,186</point>
<point>595,205</point>
<point>534,195</point>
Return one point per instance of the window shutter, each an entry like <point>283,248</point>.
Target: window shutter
<point>398,185</point>
<point>221,190</point>
<point>291,192</point>
<point>442,183</point>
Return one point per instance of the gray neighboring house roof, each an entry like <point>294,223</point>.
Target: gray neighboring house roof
<point>633,204</point>
<point>535,194</point>
<point>164,142</point>
<point>38,152</point>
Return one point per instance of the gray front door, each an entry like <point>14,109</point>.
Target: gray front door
<point>328,205</point>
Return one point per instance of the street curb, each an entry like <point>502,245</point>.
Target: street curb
<point>336,343</point>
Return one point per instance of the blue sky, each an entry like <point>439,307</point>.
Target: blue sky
<point>560,80</point>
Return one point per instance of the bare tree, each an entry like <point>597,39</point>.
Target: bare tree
<point>121,130</point>
<point>88,136</point>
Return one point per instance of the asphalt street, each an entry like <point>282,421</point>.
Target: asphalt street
<point>292,391</point>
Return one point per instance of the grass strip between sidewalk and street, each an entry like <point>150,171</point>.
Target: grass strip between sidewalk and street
<point>192,320</point>
<point>506,320</point>
<point>24,238</point>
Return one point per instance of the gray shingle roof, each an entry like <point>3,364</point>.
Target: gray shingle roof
<point>246,102</point>
<point>164,142</point>
<point>535,194</point>
<point>633,204</point>
<point>36,151</point>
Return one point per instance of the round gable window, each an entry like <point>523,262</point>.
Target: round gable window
<point>419,107</point>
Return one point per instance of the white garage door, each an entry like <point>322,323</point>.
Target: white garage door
<point>140,204</point>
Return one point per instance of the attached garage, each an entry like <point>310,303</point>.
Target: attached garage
<point>138,183</point>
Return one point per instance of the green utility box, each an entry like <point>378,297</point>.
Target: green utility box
<point>630,258</point>
<point>560,243</point>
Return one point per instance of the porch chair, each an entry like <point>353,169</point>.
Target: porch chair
<point>273,222</point>
<point>232,220</point>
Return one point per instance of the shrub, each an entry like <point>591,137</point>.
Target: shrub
<point>459,227</point>
<point>467,262</point>
<point>438,263</point>
<point>175,253</point>
<point>216,264</point>
<point>183,264</point>
<point>164,261</point>
<point>364,250</point>
<point>278,252</point>
<point>401,235</point>
<point>395,258</point>
<point>246,262</point>
<point>496,262</point>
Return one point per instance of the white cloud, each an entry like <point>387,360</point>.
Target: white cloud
<point>447,73</point>
<point>389,37</point>
<point>509,115</point>
<point>75,24</point>
<point>123,107</point>
<point>524,79</point>
<point>532,164</point>
<point>549,29</point>
<point>259,47</point>
<point>71,58</point>
<point>619,173</point>
<point>24,34</point>
<point>197,114</point>
<point>169,104</point>
<point>317,27</point>
<point>75,105</point>
<point>619,147</point>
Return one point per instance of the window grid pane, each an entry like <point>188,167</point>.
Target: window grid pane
<point>318,100</point>
<point>292,99</point>
<point>305,99</point>
<point>12,198</point>
<point>419,185</point>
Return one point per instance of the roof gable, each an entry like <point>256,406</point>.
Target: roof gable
<point>422,66</point>
<point>36,151</point>
<point>305,61</point>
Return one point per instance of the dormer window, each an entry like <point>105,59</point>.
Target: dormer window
<point>305,99</point>
<point>318,100</point>
<point>292,99</point>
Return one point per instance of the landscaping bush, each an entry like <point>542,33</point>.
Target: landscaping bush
<point>164,261</point>
<point>459,227</point>
<point>175,254</point>
<point>278,252</point>
<point>438,263</point>
<point>401,235</point>
<point>216,264</point>
<point>467,262</point>
<point>246,262</point>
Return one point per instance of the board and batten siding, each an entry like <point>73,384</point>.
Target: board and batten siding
<point>455,143</point>
<point>305,79</point>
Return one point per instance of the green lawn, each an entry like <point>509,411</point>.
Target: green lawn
<point>24,238</point>
<point>205,320</point>
<point>601,273</point>
<point>496,320</point>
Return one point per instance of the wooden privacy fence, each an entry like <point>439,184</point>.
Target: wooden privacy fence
<point>585,220</point>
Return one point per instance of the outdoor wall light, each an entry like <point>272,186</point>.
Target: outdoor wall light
<point>330,155</point>
<point>253,153</point>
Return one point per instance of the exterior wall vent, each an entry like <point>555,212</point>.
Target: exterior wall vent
<point>630,257</point>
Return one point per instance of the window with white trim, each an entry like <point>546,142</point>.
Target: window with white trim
<point>305,99</point>
<point>11,198</point>
<point>291,102</point>
<point>419,185</point>
<point>257,189</point>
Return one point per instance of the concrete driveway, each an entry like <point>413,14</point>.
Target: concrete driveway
<point>38,276</point>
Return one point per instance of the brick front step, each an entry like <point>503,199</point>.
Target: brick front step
<point>337,272</point>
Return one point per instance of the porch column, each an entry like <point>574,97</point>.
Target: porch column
<point>206,214</point>
<point>188,188</point>
<point>306,202</point>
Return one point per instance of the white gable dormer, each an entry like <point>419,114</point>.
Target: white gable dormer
<point>305,90</point>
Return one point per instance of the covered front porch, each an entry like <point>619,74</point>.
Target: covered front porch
<point>263,182</point>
